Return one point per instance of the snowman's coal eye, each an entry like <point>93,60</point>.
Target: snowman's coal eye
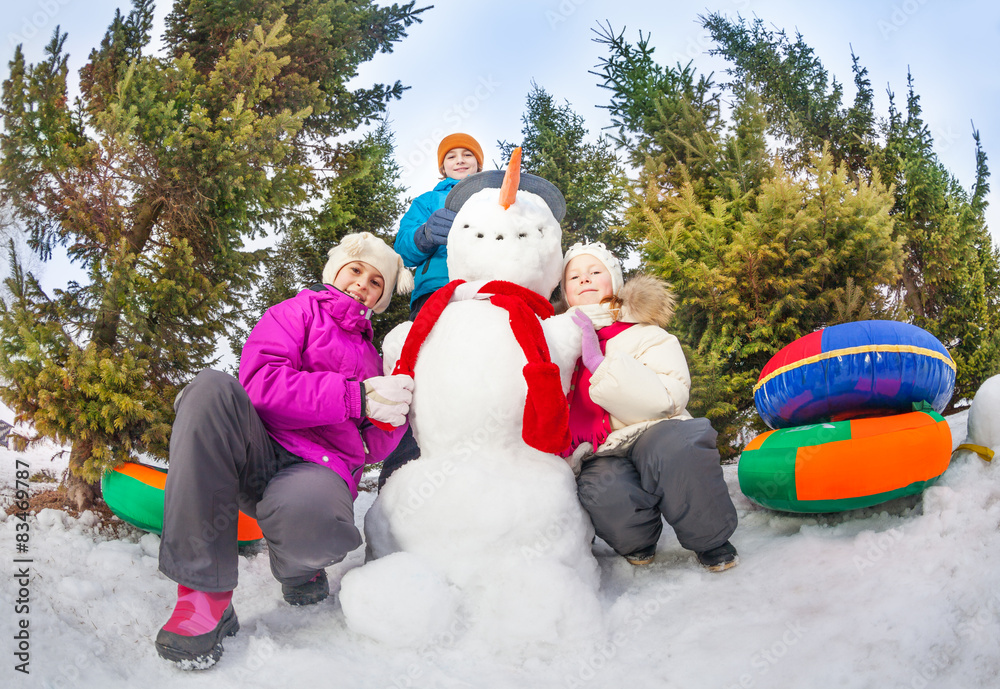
<point>465,226</point>
<point>479,235</point>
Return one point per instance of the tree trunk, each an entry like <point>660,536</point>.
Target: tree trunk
<point>105,332</point>
<point>912,296</point>
<point>79,492</point>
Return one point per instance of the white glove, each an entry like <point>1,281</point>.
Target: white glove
<point>469,290</point>
<point>575,460</point>
<point>387,398</point>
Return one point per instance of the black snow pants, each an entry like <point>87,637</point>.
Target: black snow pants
<point>672,471</point>
<point>222,460</point>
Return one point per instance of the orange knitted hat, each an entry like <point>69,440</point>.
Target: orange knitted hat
<point>459,140</point>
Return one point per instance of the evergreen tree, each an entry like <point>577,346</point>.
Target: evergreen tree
<point>756,273</point>
<point>589,174</point>
<point>665,118</point>
<point>936,267</point>
<point>761,249</point>
<point>948,283</point>
<point>152,181</point>
<point>361,195</point>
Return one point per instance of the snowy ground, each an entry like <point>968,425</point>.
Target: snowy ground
<point>905,595</point>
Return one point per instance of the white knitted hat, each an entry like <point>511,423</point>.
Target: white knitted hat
<point>600,252</point>
<point>366,247</point>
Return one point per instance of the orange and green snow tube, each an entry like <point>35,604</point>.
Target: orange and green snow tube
<point>845,465</point>
<point>134,492</point>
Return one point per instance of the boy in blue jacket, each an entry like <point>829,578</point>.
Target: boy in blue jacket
<point>423,229</point>
<point>422,241</point>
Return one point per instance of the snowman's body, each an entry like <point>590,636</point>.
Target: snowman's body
<point>470,372</point>
<point>498,520</point>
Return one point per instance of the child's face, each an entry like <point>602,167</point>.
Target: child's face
<point>361,281</point>
<point>459,163</point>
<point>587,281</point>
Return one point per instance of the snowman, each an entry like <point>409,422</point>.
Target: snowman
<point>484,532</point>
<point>983,429</point>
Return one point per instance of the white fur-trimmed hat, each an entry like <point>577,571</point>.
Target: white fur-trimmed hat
<point>601,253</point>
<point>366,247</point>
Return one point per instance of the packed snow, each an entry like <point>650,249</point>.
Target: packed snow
<point>906,594</point>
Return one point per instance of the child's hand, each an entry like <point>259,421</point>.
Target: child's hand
<point>387,399</point>
<point>592,356</point>
<point>434,232</point>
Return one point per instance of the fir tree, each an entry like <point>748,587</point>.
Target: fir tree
<point>949,283</point>
<point>948,280</point>
<point>758,247</point>
<point>756,273</point>
<point>152,181</point>
<point>361,195</point>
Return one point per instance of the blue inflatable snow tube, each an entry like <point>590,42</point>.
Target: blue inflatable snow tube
<point>868,368</point>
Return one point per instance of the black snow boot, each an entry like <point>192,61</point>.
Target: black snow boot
<point>719,558</point>
<point>643,556</point>
<point>197,652</point>
<point>313,591</point>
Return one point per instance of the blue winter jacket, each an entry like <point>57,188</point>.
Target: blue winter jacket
<point>430,270</point>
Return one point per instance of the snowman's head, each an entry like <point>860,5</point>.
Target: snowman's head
<point>506,228</point>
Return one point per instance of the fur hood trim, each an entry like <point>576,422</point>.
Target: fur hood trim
<point>647,299</point>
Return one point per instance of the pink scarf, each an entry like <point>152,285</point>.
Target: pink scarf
<point>588,421</point>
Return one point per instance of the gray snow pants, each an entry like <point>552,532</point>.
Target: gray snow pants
<point>222,460</point>
<point>671,471</point>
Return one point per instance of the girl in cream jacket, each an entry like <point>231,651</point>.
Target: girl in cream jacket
<point>640,455</point>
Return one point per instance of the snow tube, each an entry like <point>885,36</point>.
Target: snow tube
<point>868,368</point>
<point>845,465</point>
<point>134,492</point>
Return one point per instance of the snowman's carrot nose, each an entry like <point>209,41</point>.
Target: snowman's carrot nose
<point>508,190</point>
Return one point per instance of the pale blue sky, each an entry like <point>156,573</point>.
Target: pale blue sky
<point>471,64</point>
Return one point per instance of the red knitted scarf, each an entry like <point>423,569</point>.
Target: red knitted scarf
<point>546,412</point>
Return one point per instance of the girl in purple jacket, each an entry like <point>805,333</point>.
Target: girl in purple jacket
<point>286,444</point>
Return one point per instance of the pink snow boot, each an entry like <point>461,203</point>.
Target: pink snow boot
<point>193,635</point>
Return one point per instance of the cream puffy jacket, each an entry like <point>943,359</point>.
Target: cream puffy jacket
<point>644,377</point>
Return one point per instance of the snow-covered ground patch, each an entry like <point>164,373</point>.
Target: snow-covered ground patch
<point>902,595</point>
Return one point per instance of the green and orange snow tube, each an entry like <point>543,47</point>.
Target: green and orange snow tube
<point>134,492</point>
<point>845,465</point>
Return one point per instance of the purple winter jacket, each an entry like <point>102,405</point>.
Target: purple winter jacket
<point>302,366</point>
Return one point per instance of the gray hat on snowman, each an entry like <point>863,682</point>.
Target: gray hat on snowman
<point>509,183</point>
